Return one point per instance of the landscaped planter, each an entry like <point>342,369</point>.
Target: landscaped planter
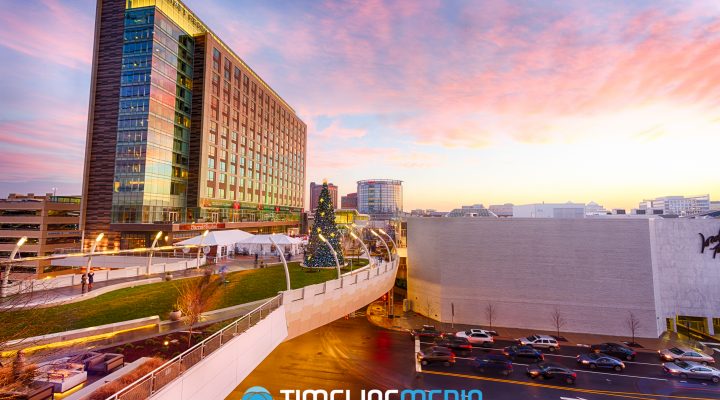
<point>175,315</point>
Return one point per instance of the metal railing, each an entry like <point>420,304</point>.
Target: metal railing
<point>157,379</point>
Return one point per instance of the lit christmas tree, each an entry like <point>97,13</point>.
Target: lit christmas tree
<point>318,254</point>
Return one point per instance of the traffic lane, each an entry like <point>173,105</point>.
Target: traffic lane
<point>592,381</point>
<point>500,389</point>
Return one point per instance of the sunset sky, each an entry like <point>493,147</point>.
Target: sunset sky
<point>465,101</point>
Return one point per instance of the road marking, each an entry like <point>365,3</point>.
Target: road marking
<point>627,376</point>
<point>628,395</point>
<point>572,398</point>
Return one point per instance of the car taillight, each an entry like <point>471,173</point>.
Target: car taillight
<point>466,346</point>
<point>634,353</point>
<point>574,375</point>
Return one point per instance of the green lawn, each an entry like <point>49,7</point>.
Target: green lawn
<point>154,299</point>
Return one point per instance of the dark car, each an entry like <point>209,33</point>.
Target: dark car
<point>436,354</point>
<point>616,350</point>
<point>545,370</point>
<point>513,352</point>
<point>493,362</point>
<point>600,360</point>
<point>427,332</point>
<point>459,345</point>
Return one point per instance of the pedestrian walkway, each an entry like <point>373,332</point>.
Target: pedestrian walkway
<point>406,321</point>
<point>71,294</point>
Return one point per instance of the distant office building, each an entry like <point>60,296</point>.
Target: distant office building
<point>477,210</point>
<point>676,205</point>
<point>618,211</point>
<point>316,188</point>
<point>183,135</point>
<point>593,208</point>
<point>430,212</point>
<point>380,198</point>
<point>349,202</point>
<point>502,210</point>
<point>51,223</point>
<point>550,210</point>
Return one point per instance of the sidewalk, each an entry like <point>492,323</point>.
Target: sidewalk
<point>71,294</point>
<point>406,321</point>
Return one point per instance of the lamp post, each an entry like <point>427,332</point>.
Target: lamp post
<point>364,247</point>
<point>391,240</point>
<point>282,257</point>
<point>202,239</point>
<point>152,251</point>
<point>337,263</point>
<point>377,235</point>
<point>92,250</point>
<point>6,275</point>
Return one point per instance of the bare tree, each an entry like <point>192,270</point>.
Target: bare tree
<point>633,324</point>
<point>558,320</point>
<point>195,296</point>
<point>490,311</point>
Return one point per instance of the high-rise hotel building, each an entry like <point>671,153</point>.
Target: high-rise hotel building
<point>183,136</point>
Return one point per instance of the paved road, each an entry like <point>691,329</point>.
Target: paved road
<point>354,354</point>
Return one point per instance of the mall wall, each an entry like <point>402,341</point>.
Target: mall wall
<point>688,281</point>
<point>594,271</point>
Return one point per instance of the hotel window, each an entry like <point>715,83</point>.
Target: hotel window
<point>211,163</point>
<point>210,192</point>
<point>212,151</point>
<point>222,178</point>
<point>221,193</point>
<point>211,175</point>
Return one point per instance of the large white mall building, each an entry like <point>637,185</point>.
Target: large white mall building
<point>593,272</point>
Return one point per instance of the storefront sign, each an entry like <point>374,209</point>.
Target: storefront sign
<point>711,243</point>
<point>201,227</point>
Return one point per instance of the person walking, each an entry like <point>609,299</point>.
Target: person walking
<point>83,282</point>
<point>91,279</point>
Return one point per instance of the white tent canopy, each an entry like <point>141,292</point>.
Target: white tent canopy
<point>261,244</point>
<point>218,238</point>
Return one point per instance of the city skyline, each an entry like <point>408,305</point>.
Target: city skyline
<point>496,103</point>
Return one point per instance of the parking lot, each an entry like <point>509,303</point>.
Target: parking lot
<point>354,354</point>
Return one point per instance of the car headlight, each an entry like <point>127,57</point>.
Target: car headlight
<point>585,362</point>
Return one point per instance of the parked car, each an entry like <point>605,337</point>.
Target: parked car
<point>540,342</point>
<point>691,369</point>
<point>485,331</point>
<point>493,362</point>
<point>513,352</point>
<point>477,338</point>
<point>459,345</point>
<point>436,354</point>
<point>600,360</point>
<point>616,350</point>
<point>545,370</point>
<point>427,332</point>
<point>685,354</point>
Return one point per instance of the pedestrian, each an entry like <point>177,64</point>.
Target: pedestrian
<point>83,282</point>
<point>91,279</point>
<point>256,258</point>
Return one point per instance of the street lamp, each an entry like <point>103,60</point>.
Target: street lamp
<point>337,263</point>
<point>152,248</point>
<point>364,247</point>
<point>391,240</point>
<point>6,276</point>
<point>202,239</point>
<point>282,257</point>
<point>377,235</point>
<point>92,250</point>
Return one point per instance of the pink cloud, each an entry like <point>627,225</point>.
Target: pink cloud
<point>49,31</point>
<point>335,131</point>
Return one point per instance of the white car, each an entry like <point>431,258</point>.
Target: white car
<point>540,342</point>
<point>477,337</point>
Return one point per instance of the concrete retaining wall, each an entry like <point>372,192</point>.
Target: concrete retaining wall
<point>218,374</point>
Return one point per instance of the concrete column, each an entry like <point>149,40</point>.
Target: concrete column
<point>711,328</point>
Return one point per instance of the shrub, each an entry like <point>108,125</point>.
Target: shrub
<point>113,387</point>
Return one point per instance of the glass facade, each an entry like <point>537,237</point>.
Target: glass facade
<point>380,197</point>
<point>152,152</point>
